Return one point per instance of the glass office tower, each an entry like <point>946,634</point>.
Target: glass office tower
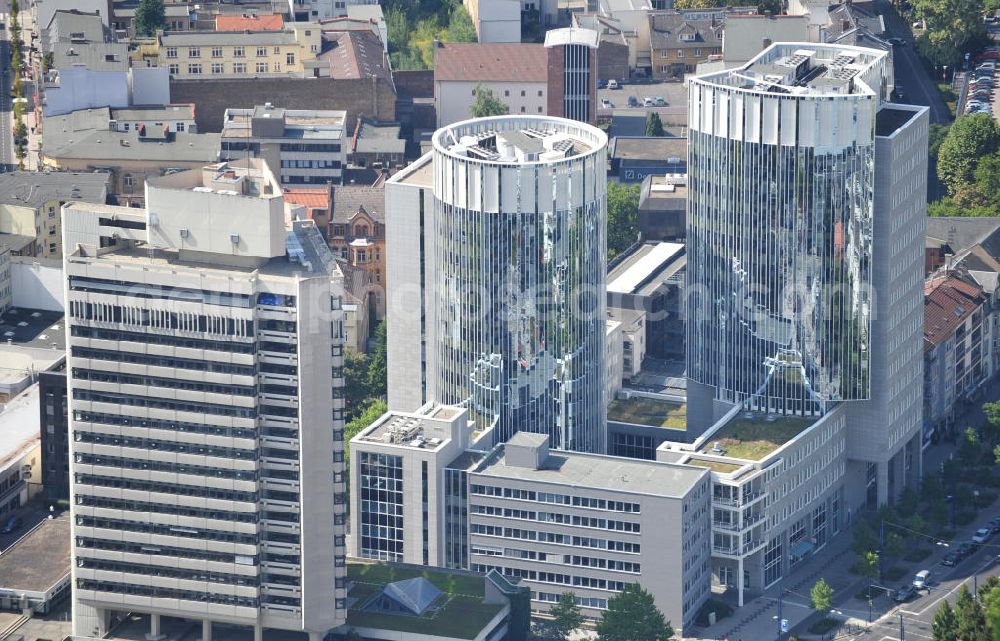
<point>519,275</point>
<point>781,171</point>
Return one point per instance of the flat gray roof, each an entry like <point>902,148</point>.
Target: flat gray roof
<point>33,189</point>
<point>40,560</point>
<point>610,473</point>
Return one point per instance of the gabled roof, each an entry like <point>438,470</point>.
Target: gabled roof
<point>665,28</point>
<point>349,200</point>
<point>355,54</point>
<point>415,595</point>
<point>308,197</point>
<point>247,22</point>
<point>490,62</point>
<point>948,301</point>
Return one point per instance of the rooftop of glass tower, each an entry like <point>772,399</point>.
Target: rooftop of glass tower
<point>519,139</point>
<point>805,69</point>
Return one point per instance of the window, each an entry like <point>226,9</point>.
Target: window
<point>238,52</point>
<point>194,69</point>
<point>216,52</point>
<point>261,52</point>
<point>506,93</point>
<point>239,67</point>
<point>194,52</point>
<point>680,53</point>
<point>277,67</point>
<point>697,53</point>
<point>171,52</point>
<point>180,126</point>
<point>217,67</point>
<point>174,69</point>
<point>664,54</point>
<point>261,67</point>
<point>127,126</point>
<point>522,93</point>
<point>522,109</point>
<point>52,212</point>
<point>664,68</point>
<point>540,92</point>
<point>289,58</point>
<point>127,180</point>
<point>539,110</point>
<point>52,248</point>
<point>276,51</point>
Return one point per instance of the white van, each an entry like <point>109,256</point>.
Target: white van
<point>923,580</point>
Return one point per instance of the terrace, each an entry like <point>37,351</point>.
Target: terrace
<point>715,466</point>
<point>649,411</point>
<point>753,436</point>
<point>459,613</point>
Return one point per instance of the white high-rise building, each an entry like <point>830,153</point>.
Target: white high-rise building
<point>206,400</point>
<point>496,279</point>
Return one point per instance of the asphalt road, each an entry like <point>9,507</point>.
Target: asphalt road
<point>6,123</point>
<point>909,71</point>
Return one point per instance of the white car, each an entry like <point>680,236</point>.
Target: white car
<point>922,580</point>
<point>606,104</point>
<point>613,84</point>
<point>982,535</point>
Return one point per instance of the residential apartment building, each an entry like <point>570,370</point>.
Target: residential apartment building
<point>495,20</point>
<point>572,72</point>
<point>558,521</point>
<point>679,40</point>
<point>307,145</point>
<point>613,51</point>
<point>206,404</point>
<point>516,73</point>
<point>838,386</point>
<point>525,196</point>
<point>19,451</point>
<point>170,119</point>
<point>30,203</point>
<point>956,347</point>
<point>240,54</point>
<point>357,236</point>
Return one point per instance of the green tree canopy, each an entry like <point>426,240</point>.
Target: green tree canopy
<point>945,625</point>
<point>365,418</point>
<point>566,614</point>
<point>623,217</point>
<point>953,27</point>
<point>863,538</point>
<point>378,371</point>
<point>991,606</point>
<point>969,139</point>
<point>486,104</point>
<point>150,15</point>
<point>821,597</point>
<point>654,126</point>
<point>971,618</point>
<point>991,428</point>
<point>632,615</point>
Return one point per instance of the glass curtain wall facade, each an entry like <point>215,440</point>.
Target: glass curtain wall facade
<point>781,171</point>
<point>520,270</point>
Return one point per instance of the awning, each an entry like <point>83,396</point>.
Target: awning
<point>801,549</point>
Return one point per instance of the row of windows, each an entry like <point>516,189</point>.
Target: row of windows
<point>309,147</point>
<point>99,376</point>
<point>582,601</point>
<point>175,446</point>
<point>162,508</point>
<point>216,68</point>
<point>137,317</point>
<point>163,571</point>
<point>559,499</point>
<point>172,488</point>
<point>158,292</point>
<point>166,530</point>
<point>166,550</point>
<point>237,52</point>
<point>310,164</point>
<point>165,593</point>
<point>164,361</point>
<point>161,339</point>
<point>167,404</point>
<point>174,426</point>
<point>603,544</point>
<point>572,519</point>
<point>604,564</point>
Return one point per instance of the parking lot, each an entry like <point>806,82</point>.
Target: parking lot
<point>672,112</point>
<point>981,90</point>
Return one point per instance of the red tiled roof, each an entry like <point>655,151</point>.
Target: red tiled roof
<point>354,54</point>
<point>491,62</point>
<point>948,301</point>
<point>267,22</point>
<point>313,198</point>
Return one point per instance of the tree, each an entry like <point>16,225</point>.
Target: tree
<point>623,217</point>
<point>991,605</point>
<point>945,625</point>
<point>397,29</point>
<point>566,614</point>
<point>821,596</point>
<point>953,28</point>
<point>916,525</point>
<point>368,416</point>
<point>864,540</point>
<point>991,429</point>
<point>378,370</point>
<point>971,618</point>
<point>460,27</point>
<point>774,7</point>
<point>632,615</point>
<point>868,565</point>
<point>894,545</point>
<point>654,126</point>
<point>486,104</point>
<point>356,390</point>
<point>150,15</point>
<point>969,139</point>
<point>969,449</point>
<point>987,180</point>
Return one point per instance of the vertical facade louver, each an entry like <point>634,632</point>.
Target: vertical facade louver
<point>519,273</point>
<point>779,231</point>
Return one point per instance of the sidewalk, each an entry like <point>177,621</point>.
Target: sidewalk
<point>757,620</point>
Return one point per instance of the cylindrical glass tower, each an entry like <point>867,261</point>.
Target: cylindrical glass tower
<point>779,226</point>
<point>520,260</point>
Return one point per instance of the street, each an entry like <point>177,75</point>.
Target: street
<point>6,104</point>
<point>908,69</point>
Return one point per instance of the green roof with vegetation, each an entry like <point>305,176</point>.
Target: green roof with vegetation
<point>460,612</point>
<point>756,437</point>
<point>649,411</point>
<point>715,466</point>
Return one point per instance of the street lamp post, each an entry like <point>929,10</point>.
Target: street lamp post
<point>902,633</point>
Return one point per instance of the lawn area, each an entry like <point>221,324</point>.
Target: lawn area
<point>715,466</point>
<point>948,96</point>
<point>648,411</point>
<point>755,438</point>
<point>459,613</point>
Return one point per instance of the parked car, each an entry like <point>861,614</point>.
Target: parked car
<point>13,524</point>
<point>660,102</point>
<point>601,84</point>
<point>904,593</point>
<point>647,102</point>
<point>982,535</point>
<point>633,101</point>
<point>995,523</point>
<point>951,559</point>
<point>607,104</point>
<point>964,549</point>
<point>896,42</point>
<point>922,580</point>
<point>613,84</point>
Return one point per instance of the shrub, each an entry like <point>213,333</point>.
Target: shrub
<point>917,555</point>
